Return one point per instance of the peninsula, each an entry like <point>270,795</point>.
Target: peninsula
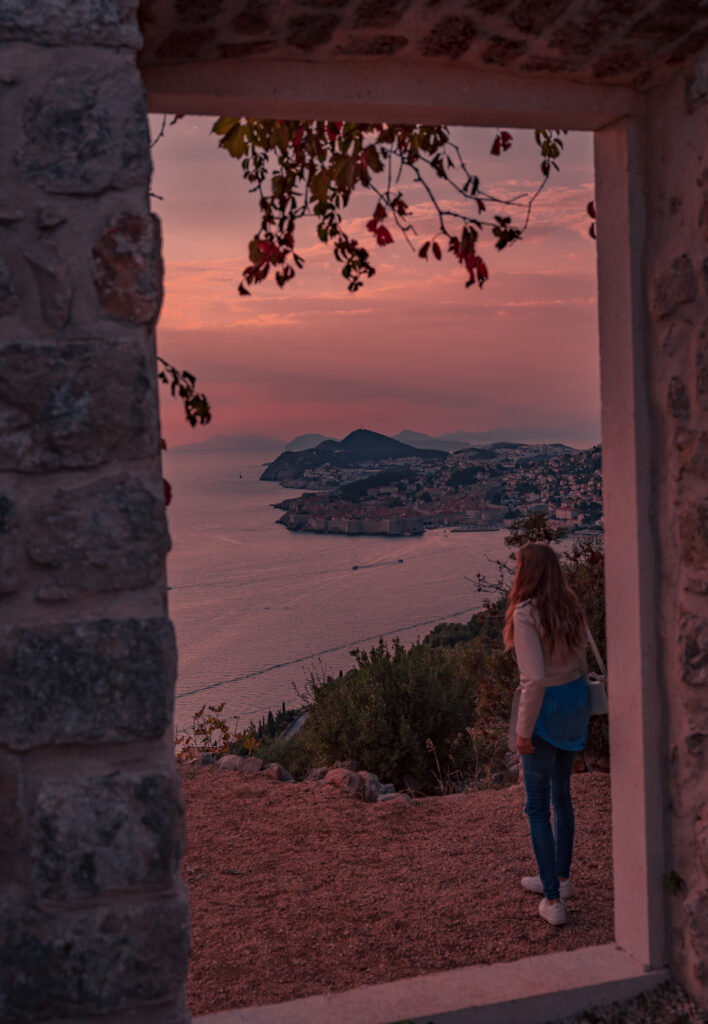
<point>372,484</point>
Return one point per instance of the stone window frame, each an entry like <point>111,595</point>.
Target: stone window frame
<point>568,982</point>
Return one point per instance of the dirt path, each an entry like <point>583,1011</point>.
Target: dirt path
<point>297,889</point>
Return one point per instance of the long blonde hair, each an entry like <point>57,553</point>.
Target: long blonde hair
<point>561,619</point>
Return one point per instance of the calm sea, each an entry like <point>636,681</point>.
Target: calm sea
<point>257,608</point>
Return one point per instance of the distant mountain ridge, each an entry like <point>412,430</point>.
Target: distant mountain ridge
<point>448,442</point>
<point>359,446</point>
<point>233,443</point>
<point>304,441</point>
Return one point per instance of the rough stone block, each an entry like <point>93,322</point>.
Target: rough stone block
<point>184,43</point>
<point>697,913</point>
<point>127,267</point>
<point>109,680</point>
<point>53,281</point>
<point>49,217</point>
<point>105,834</point>
<point>231,763</point>
<point>11,801</point>
<point>308,31</point>
<point>449,37</point>
<point>678,400</point>
<point>66,22</point>
<point>693,452</point>
<point>379,13</point>
<point>693,534</point>
<point>702,367</point>
<point>372,786</point>
<point>703,220</point>
<point>9,295</point>
<point>696,83</point>
<point>672,288</point>
<point>348,781</point>
<point>9,548</point>
<point>251,765</point>
<point>702,837</point>
<point>75,404</point>
<point>87,130</point>
<point>90,963</point>
<point>532,19</point>
<point>502,51</point>
<point>107,535</point>
<point>276,771</point>
<point>10,214</point>
<point>693,648</point>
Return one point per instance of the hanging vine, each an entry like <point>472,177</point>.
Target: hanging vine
<point>312,168</point>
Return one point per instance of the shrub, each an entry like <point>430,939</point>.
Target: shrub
<point>383,713</point>
<point>294,754</point>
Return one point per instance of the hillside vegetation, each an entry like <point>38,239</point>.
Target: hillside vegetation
<point>433,717</point>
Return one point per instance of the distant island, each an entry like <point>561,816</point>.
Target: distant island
<point>372,484</point>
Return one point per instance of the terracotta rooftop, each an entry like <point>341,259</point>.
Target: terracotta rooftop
<point>628,42</point>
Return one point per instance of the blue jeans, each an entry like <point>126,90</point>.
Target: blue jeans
<point>547,778</point>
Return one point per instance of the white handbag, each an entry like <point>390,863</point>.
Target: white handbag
<point>597,684</point>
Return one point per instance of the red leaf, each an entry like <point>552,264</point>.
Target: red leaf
<point>496,146</point>
<point>505,140</point>
<point>480,206</point>
<point>379,212</point>
<point>482,272</point>
<point>591,209</point>
<point>423,251</point>
<point>242,290</point>
<point>436,251</point>
<point>372,225</point>
<point>383,236</point>
<point>592,232</point>
<point>167,491</point>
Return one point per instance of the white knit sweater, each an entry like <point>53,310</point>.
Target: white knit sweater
<point>537,670</point>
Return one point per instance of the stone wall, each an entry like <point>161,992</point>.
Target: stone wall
<point>93,918</point>
<point>676,268</point>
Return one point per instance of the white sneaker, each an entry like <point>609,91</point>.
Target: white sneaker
<point>554,913</point>
<point>534,884</point>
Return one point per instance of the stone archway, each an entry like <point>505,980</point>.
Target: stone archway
<point>93,912</point>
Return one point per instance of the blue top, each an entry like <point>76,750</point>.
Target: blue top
<point>565,714</point>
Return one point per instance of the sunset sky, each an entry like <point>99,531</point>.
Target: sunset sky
<point>413,348</point>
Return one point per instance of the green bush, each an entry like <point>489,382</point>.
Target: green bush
<point>439,711</point>
<point>294,754</point>
<point>394,713</point>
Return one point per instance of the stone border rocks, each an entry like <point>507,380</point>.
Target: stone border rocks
<point>362,785</point>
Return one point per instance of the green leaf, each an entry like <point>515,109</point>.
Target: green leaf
<point>372,159</point>
<point>319,186</point>
<point>235,141</point>
<point>224,125</point>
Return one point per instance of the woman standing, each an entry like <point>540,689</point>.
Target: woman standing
<point>546,627</point>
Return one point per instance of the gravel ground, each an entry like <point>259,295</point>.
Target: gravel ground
<point>297,889</point>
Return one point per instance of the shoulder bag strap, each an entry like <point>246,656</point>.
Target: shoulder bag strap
<point>596,652</point>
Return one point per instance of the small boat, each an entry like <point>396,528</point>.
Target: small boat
<point>400,559</point>
<point>355,567</point>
